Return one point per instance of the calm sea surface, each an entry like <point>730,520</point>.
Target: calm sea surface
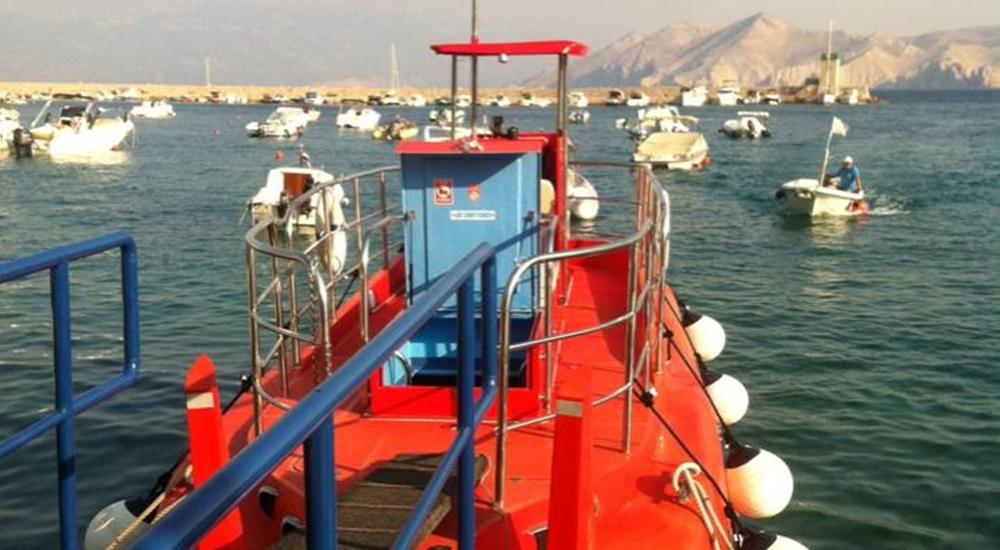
<point>869,346</point>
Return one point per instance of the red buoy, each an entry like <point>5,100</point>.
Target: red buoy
<point>278,156</point>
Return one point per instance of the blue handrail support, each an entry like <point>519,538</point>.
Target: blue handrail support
<point>310,423</point>
<point>67,406</point>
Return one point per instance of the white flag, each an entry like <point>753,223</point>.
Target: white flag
<point>839,127</point>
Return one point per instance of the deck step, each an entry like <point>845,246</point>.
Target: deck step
<point>371,514</point>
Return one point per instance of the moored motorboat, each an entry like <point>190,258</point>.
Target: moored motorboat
<point>529,99</point>
<point>578,100</point>
<point>357,117</point>
<point>80,129</point>
<point>664,138</point>
<point>397,130</point>
<point>616,98</point>
<point>416,100</point>
<point>282,123</point>
<point>499,100</point>
<point>749,124</point>
<point>694,97</point>
<point>637,98</point>
<point>285,185</point>
<point>729,95</point>
<point>579,116</point>
<point>155,108</point>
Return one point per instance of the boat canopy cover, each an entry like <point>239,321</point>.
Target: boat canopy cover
<point>488,49</point>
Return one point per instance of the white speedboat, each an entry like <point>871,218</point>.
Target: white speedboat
<point>499,100</point>
<point>637,99</point>
<point>849,97</point>
<point>771,98</point>
<point>283,123</point>
<point>752,98</point>
<point>9,124</point>
<point>728,95</point>
<point>323,208</point>
<point>671,142</point>
<point>578,100</point>
<point>828,99</point>
<point>463,101</point>
<point>156,108</point>
<point>579,116</point>
<point>416,100</point>
<point>807,197</point>
<point>80,129</point>
<point>529,100</point>
<point>358,117</point>
<point>694,97</point>
<point>313,98</point>
<point>616,98</point>
<point>443,116</point>
<point>748,124</point>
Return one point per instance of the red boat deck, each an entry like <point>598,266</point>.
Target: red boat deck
<point>597,294</point>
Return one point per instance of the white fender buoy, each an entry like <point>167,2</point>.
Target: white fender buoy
<point>729,396</point>
<point>763,540</point>
<point>706,334</point>
<point>582,197</point>
<point>760,483</point>
<point>111,521</point>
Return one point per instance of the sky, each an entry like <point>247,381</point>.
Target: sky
<point>331,41</point>
<point>595,21</point>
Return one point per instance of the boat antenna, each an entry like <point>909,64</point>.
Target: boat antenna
<point>475,22</point>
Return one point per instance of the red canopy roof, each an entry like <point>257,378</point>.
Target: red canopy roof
<point>542,47</point>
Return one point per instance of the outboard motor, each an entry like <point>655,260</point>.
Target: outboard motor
<point>23,141</point>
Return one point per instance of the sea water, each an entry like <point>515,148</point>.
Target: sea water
<point>868,345</point>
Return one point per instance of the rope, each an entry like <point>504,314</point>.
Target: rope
<point>713,525</point>
<point>127,532</point>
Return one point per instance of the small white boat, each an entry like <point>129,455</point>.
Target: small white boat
<point>849,97</point>
<point>323,209</point>
<point>389,98</point>
<point>499,100</point>
<point>752,98</point>
<point>156,108</point>
<point>358,117</point>
<point>462,101</point>
<point>728,95</point>
<point>443,116</point>
<point>616,98</point>
<point>658,112</point>
<point>398,130</point>
<point>283,123</point>
<point>529,100</point>
<point>416,100</point>
<point>806,196</point>
<point>313,98</point>
<point>579,116</point>
<point>9,124</point>
<point>771,98</point>
<point>81,128</point>
<point>749,124</point>
<point>694,97</point>
<point>828,99</point>
<point>637,99</point>
<point>672,142</point>
<point>581,197</point>
<point>578,100</point>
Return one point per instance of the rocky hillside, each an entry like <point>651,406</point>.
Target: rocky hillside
<point>764,51</point>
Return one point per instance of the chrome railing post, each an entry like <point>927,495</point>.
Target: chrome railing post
<point>279,313</point>
<point>385,230</point>
<point>254,336</point>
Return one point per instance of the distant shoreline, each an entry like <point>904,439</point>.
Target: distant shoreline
<point>336,95</point>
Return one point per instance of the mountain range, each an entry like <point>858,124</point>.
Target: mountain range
<point>765,51</point>
<point>329,43</point>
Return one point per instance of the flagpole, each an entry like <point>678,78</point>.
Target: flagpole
<point>826,156</point>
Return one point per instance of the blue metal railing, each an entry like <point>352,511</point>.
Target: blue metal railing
<point>67,407</point>
<point>310,424</point>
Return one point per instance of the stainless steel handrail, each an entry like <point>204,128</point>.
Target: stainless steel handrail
<point>366,242</point>
<point>638,296</point>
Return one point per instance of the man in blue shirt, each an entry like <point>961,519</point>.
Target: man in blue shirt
<point>849,176</point>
